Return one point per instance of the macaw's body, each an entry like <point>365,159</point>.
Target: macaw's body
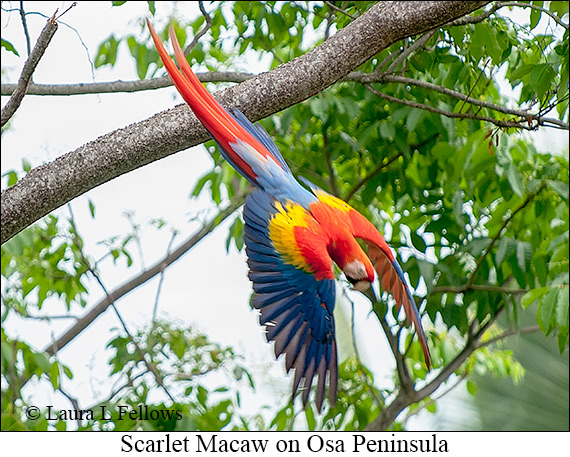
<point>293,236</point>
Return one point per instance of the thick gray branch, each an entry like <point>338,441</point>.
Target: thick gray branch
<point>49,186</point>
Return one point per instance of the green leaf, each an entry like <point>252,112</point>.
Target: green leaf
<point>547,310</point>
<point>541,78</point>
<point>310,416</point>
<point>561,8</point>
<point>505,249</point>
<point>458,207</point>
<point>91,208</point>
<point>521,71</point>
<point>54,375</point>
<point>471,387</point>
<point>535,16</point>
<point>515,180</point>
<point>562,314</point>
<point>560,187</point>
<point>9,47</point>
<point>524,255</point>
<point>107,52</point>
<point>387,130</point>
<point>414,118</point>
<point>431,407</point>
<point>532,295</point>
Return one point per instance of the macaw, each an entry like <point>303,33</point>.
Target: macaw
<point>293,236</point>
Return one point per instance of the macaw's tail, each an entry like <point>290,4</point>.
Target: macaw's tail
<point>248,148</point>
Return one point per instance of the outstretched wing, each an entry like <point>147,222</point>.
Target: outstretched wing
<point>390,274</point>
<point>294,290</point>
<point>392,280</point>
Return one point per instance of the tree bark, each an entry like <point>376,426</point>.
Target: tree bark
<point>50,186</point>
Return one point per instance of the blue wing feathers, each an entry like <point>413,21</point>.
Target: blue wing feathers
<point>295,345</point>
<point>260,266</point>
<point>271,311</point>
<point>295,308</point>
<point>265,277</point>
<point>260,300</point>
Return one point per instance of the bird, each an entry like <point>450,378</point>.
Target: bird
<point>293,236</point>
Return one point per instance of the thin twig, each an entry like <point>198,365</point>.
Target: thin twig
<point>29,67</point>
<point>142,278</point>
<point>506,222</point>
<point>472,19</point>
<point>535,7</point>
<point>419,43</point>
<point>149,364</point>
<point>161,280</point>
<point>328,161</point>
<point>332,6</point>
<point>203,31</point>
<point>25,27</point>
<point>465,287</point>
<point>510,332</point>
<point>122,86</point>
<point>504,124</point>
<point>406,380</point>
<point>379,168</point>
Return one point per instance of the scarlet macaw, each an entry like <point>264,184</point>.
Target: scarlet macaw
<point>292,237</point>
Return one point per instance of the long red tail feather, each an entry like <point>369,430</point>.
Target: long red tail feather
<point>221,124</point>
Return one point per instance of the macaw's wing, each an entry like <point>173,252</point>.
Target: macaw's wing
<point>392,280</point>
<point>390,274</point>
<point>294,289</point>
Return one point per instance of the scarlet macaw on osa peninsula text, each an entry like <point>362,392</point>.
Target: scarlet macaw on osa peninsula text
<point>292,237</point>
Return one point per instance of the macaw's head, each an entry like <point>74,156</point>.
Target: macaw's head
<point>353,262</point>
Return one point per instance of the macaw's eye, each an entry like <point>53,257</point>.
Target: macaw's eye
<point>358,284</point>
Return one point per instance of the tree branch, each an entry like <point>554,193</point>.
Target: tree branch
<point>525,115</point>
<point>506,222</point>
<point>535,7</point>
<point>332,6</point>
<point>524,125</point>
<point>406,380</point>
<point>123,86</point>
<point>406,398</point>
<point>506,334</point>
<point>465,287</point>
<point>114,295</point>
<point>52,185</point>
<point>380,167</point>
<point>203,31</point>
<point>29,67</point>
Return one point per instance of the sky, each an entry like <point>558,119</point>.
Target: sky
<point>208,288</point>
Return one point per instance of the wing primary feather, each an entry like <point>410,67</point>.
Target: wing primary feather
<point>308,382</point>
<point>271,311</point>
<point>322,373</point>
<point>294,347</point>
<point>261,300</point>
<point>299,364</point>
<point>333,374</point>
<point>282,322</point>
<point>283,338</point>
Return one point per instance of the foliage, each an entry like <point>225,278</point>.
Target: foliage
<point>478,215</point>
